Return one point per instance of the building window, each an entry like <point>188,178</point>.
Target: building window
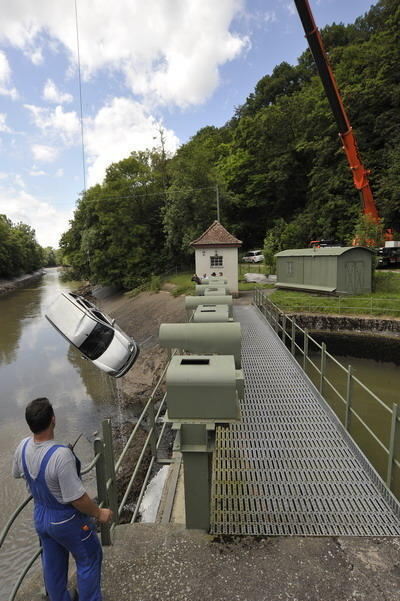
<point>216,261</point>
<point>290,267</point>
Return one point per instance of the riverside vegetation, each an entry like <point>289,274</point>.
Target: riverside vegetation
<point>19,251</point>
<point>282,176</point>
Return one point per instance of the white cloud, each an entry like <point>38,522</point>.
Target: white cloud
<point>269,16</point>
<point>119,128</point>
<point>35,55</point>
<point>3,126</point>
<point>291,8</point>
<point>46,154</point>
<point>57,122</point>
<point>36,172</point>
<point>169,51</point>
<point>53,94</point>
<point>59,172</point>
<point>5,78</point>
<point>48,222</point>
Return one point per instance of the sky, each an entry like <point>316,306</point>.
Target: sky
<point>178,65</point>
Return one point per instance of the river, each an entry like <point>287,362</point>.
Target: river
<point>36,361</point>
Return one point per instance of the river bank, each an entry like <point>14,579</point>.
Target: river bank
<point>7,286</point>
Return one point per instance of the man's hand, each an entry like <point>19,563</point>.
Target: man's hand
<point>104,516</point>
<point>86,505</point>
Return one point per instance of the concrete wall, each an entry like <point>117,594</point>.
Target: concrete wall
<point>229,266</point>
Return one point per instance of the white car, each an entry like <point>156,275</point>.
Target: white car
<point>253,256</point>
<point>93,333</point>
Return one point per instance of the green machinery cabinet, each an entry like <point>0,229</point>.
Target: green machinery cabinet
<point>220,338</point>
<point>192,302</point>
<point>215,290</point>
<point>201,393</point>
<point>202,387</point>
<point>211,313</point>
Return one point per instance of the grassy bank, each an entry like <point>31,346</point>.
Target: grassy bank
<point>184,285</point>
<point>383,302</point>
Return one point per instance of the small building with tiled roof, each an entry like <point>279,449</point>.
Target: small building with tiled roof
<point>216,251</point>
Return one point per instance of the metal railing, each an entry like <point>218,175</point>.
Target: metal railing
<point>290,333</point>
<point>107,473</point>
<point>344,305</point>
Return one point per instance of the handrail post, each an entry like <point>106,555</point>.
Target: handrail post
<point>323,367</point>
<point>152,424</point>
<point>110,469</point>
<point>305,349</point>
<point>284,329</point>
<point>392,443</point>
<point>293,341</point>
<point>349,394</point>
<point>102,496</point>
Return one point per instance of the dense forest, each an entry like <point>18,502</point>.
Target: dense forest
<point>277,166</point>
<point>19,251</point>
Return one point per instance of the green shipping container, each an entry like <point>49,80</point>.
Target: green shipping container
<point>333,270</point>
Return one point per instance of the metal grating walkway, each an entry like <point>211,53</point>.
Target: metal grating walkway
<point>289,468</point>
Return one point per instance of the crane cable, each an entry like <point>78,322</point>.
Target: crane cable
<point>80,96</point>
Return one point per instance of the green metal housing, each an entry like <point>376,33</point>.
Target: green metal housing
<point>201,388</point>
<point>192,302</point>
<point>219,338</point>
<point>335,270</point>
<point>211,313</point>
<point>217,288</point>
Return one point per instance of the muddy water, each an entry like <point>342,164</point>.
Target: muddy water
<point>36,361</point>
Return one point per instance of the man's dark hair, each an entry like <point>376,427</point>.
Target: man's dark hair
<point>38,414</point>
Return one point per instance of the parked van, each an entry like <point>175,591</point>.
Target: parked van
<point>93,333</point>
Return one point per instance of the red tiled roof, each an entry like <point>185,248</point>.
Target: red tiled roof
<point>216,235</point>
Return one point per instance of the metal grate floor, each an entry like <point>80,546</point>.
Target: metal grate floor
<point>289,468</point>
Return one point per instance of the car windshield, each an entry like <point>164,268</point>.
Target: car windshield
<point>97,342</point>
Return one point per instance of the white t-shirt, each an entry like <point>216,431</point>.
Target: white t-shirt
<point>60,475</point>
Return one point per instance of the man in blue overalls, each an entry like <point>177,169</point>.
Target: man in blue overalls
<point>62,507</point>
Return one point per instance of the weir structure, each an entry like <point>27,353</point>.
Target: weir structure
<point>288,468</point>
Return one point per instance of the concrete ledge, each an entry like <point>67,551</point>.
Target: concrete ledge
<point>152,562</point>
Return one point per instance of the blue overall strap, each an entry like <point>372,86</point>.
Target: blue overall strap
<point>38,485</point>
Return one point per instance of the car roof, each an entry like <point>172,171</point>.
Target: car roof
<point>71,317</point>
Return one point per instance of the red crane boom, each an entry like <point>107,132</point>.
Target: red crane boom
<point>360,173</point>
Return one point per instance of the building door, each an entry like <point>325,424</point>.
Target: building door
<point>354,277</point>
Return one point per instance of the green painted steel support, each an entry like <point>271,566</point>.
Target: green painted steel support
<point>323,368</point>
<point>349,395</point>
<point>111,479</point>
<point>197,466</point>
<point>392,444</point>
<point>102,495</point>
